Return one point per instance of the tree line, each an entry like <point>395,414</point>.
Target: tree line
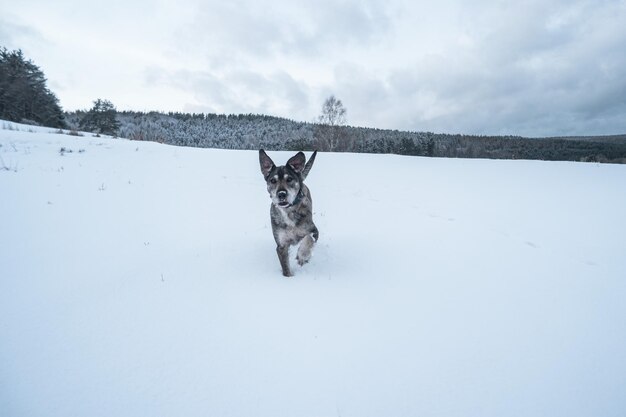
<point>330,133</point>
<point>24,97</point>
<point>251,131</point>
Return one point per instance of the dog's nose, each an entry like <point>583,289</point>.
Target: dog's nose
<point>282,195</point>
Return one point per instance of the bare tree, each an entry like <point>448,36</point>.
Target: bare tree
<point>330,134</point>
<point>333,112</point>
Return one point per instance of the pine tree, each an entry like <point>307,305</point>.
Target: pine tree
<point>24,96</point>
<point>101,118</point>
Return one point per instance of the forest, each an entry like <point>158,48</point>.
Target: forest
<point>250,131</point>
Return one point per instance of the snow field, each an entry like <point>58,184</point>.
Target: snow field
<point>142,279</point>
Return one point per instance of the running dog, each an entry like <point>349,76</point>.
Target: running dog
<point>291,212</point>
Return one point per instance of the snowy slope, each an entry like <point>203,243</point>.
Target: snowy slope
<point>138,279</point>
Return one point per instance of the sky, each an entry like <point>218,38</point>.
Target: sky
<point>531,68</point>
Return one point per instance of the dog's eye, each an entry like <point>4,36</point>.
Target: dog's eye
<point>273,180</point>
<point>289,179</point>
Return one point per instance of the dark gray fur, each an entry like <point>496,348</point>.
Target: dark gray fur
<point>291,212</point>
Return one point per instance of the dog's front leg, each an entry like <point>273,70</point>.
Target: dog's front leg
<point>283,257</point>
<point>305,249</point>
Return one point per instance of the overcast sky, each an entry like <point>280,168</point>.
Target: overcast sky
<point>534,68</point>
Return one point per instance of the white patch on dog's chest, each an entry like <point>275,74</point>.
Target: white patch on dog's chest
<point>285,217</point>
<point>287,234</point>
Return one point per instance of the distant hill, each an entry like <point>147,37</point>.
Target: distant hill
<point>251,131</point>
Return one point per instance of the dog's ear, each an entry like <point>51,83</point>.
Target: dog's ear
<point>267,165</point>
<point>297,161</point>
<point>308,166</point>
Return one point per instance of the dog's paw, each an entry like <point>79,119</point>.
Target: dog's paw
<point>302,260</point>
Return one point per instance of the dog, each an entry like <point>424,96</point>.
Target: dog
<point>291,212</point>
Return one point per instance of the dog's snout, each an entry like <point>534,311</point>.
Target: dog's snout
<point>282,194</point>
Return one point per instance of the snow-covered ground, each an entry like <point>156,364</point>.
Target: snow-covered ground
<point>139,279</point>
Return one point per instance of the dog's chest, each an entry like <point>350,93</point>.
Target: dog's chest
<point>285,218</point>
<point>287,227</point>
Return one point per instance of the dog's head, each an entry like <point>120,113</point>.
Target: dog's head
<point>284,182</point>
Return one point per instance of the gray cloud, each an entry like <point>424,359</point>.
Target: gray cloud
<point>240,91</point>
<point>17,36</point>
<point>269,29</point>
<point>545,71</point>
<point>535,68</point>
